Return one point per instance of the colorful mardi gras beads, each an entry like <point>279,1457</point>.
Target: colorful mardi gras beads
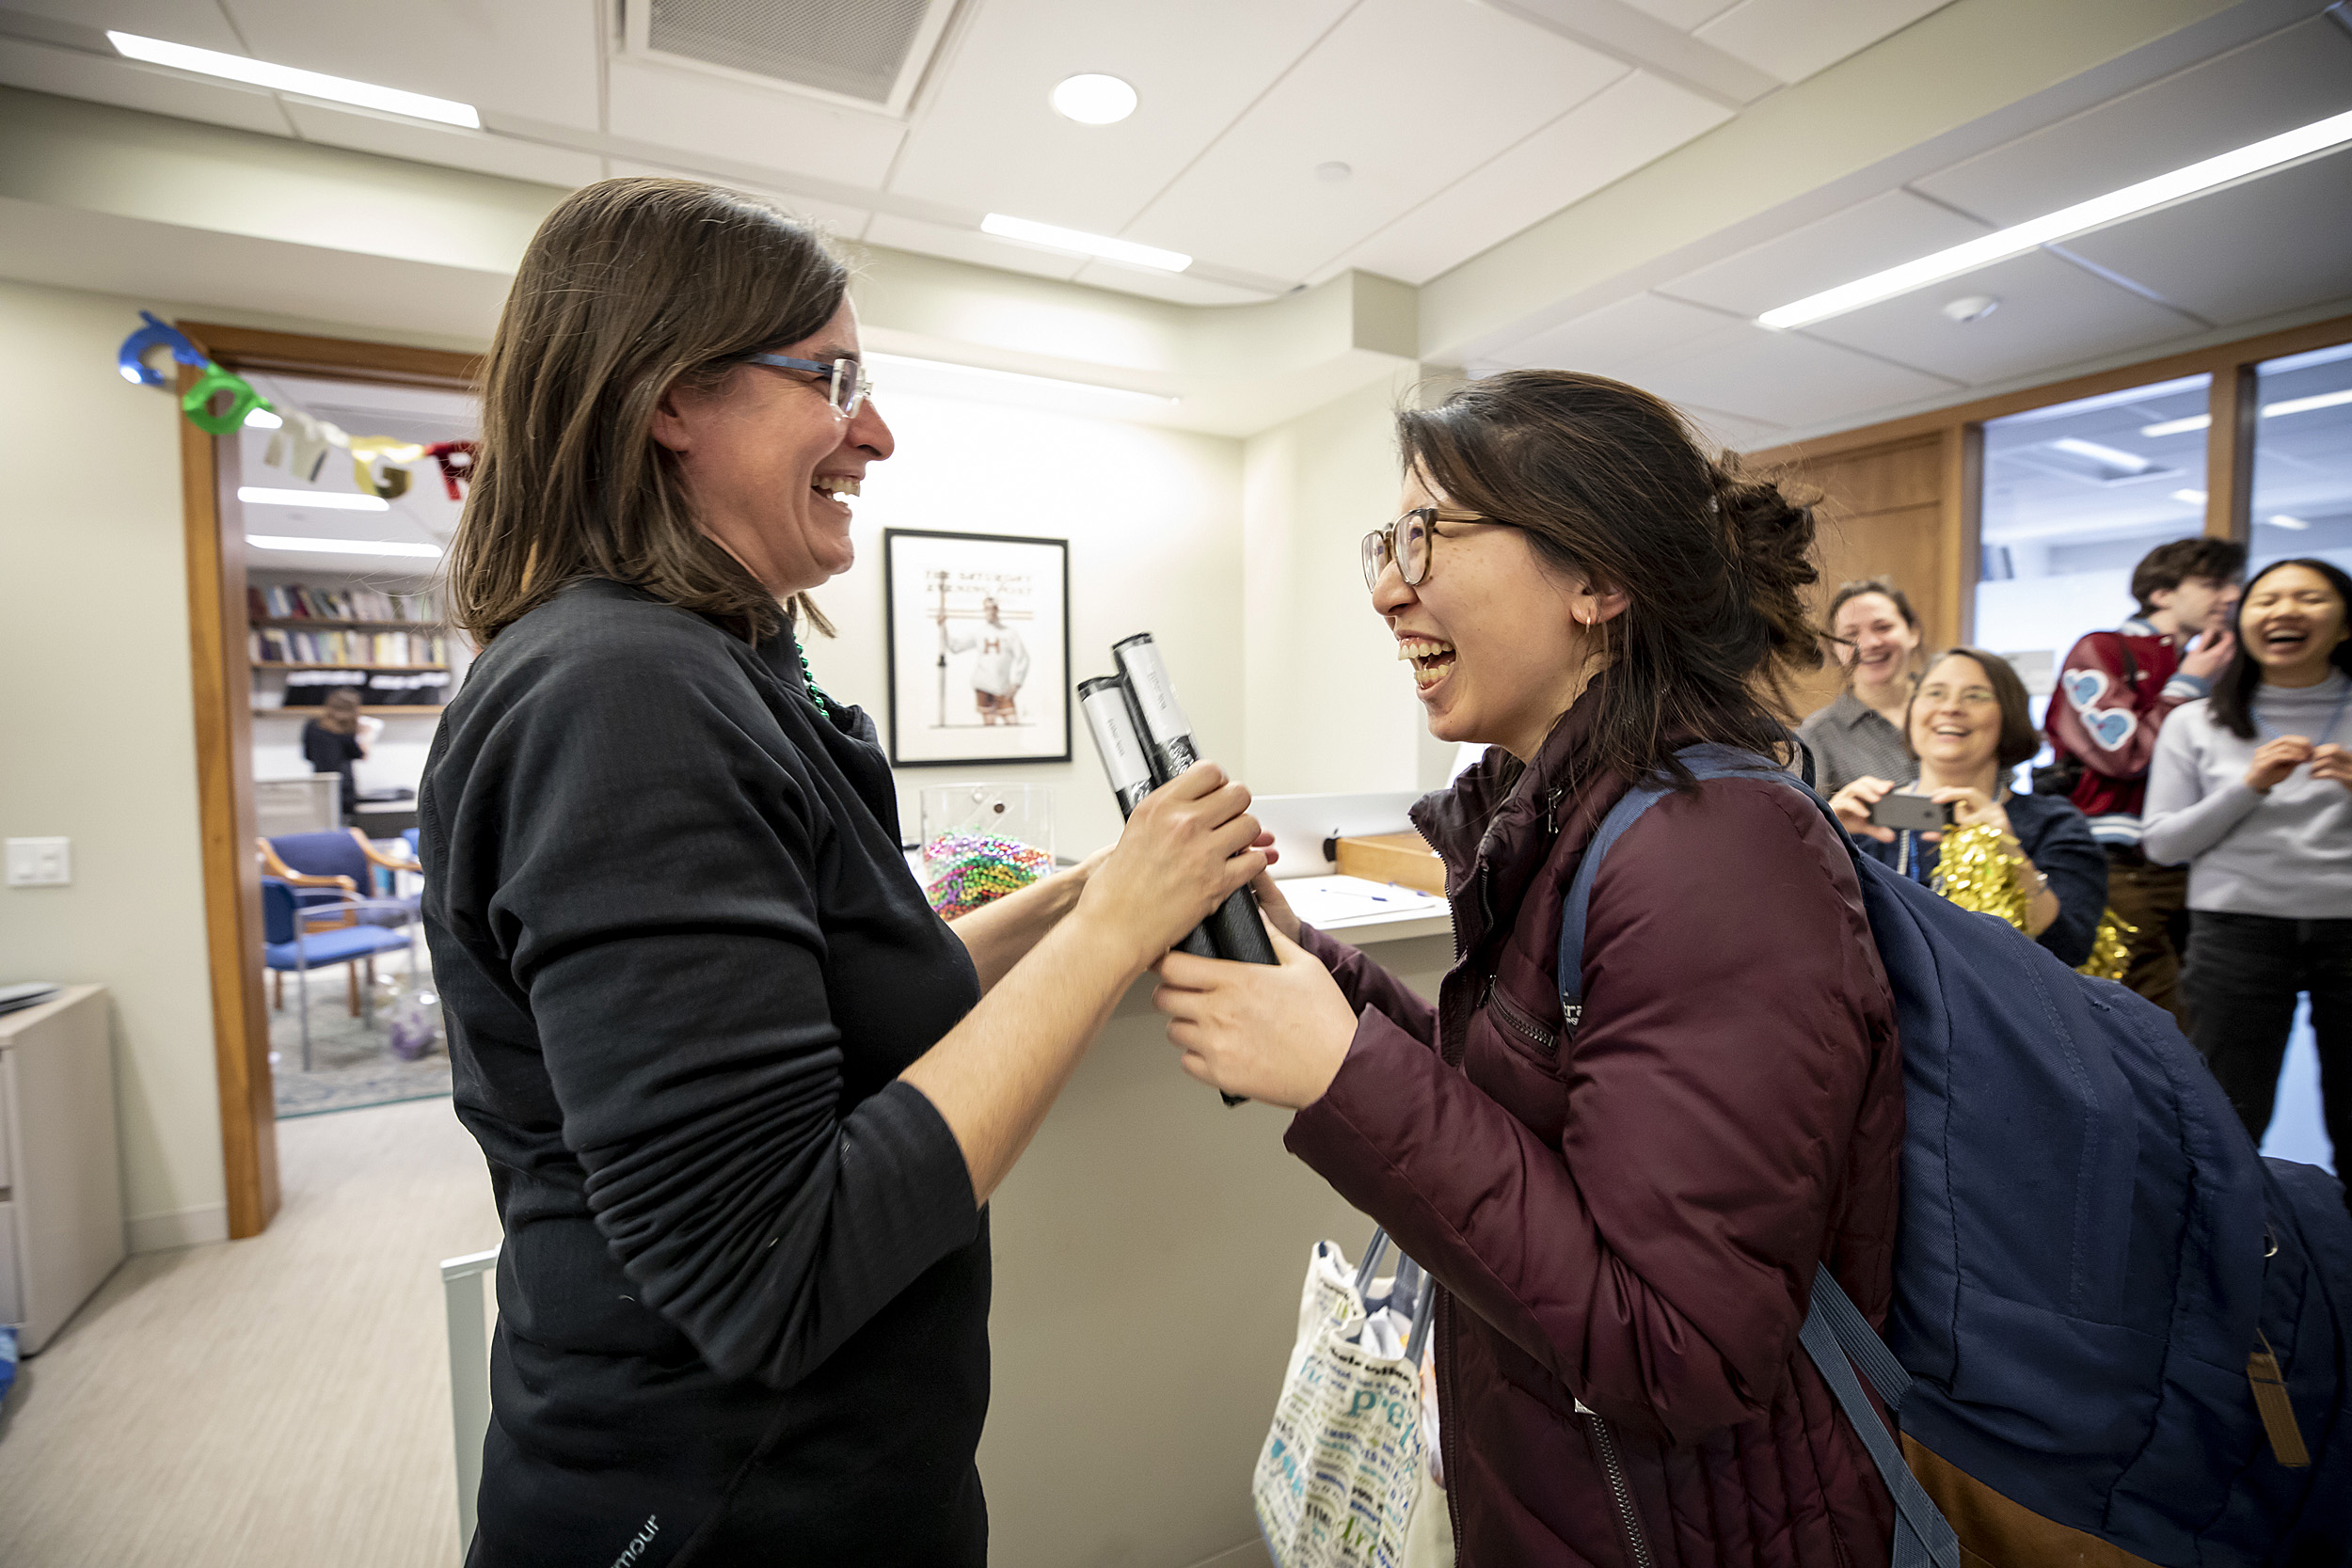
<point>976,868</point>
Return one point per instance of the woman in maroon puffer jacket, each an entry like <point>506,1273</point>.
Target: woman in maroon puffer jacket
<point>1624,1212</point>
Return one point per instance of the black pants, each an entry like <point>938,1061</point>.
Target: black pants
<point>2243,976</point>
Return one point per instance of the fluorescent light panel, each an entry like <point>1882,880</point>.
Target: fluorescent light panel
<point>284,78</point>
<point>1056,238</point>
<point>2131,463</point>
<point>1053,383</point>
<point>341,546</point>
<point>326,500</point>
<point>2270,411</point>
<point>2279,519</point>
<point>2097,212</point>
<point>2190,497</point>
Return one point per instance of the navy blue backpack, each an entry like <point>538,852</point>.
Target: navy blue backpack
<point>2108,1307</point>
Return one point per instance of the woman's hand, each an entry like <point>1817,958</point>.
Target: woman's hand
<point>1971,808</point>
<point>1271,904</point>
<point>1188,847</point>
<point>2275,759</point>
<point>1272,1033</point>
<point>1852,806</point>
<point>2327,762</point>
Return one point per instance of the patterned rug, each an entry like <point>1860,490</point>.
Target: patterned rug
<point>351,1059</point>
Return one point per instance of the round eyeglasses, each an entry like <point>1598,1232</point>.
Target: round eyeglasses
<point>1410,540</point>
<point>847,385</point>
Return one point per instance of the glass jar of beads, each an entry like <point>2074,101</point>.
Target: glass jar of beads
<point>981,841</point>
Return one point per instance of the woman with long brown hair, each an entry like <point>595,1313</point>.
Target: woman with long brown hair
<point>1624,1207</point>
<point>743,1096</point>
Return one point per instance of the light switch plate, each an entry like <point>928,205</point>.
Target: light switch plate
<point>39,861</point>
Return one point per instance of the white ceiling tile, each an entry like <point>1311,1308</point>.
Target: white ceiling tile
<point>988,138</point>
<point>837,221</point>
<point>2286,80</point>
<point>1410,94</point>
<point>1628,332</point>
<point>2275,244</point>
<point>195,21</point>
<point>969,245</point>
<point>1780,376</point>
<point>672,107</point>
<point>71,73</point>
<point>446,145</point>
<point>1732,430</point>
<point>532,57</point>
<point>1793,38</point>
<point>1886,229</point>
<point>1627,123</point>
<point>2052,314</point>
<point>1685,14</point>
<point>1176,287</point>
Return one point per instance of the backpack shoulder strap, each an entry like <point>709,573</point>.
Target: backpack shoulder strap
<point>1705,762</point>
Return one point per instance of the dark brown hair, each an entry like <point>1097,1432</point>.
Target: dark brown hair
<point>2170,565</point>
<point>2020,741</point>
<point>629,287</point>
<point>1610,483</point>
<point>2232,703</point>
<point>339,711</point>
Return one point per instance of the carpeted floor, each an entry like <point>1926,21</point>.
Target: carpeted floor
<point>351,1059</point>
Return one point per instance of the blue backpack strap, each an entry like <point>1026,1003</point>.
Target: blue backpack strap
<point>1834,1329</point>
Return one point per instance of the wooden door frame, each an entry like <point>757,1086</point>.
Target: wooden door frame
<point>223,697</point>
<point>2229,440</point>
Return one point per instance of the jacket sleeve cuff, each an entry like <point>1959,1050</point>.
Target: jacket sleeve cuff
<point>2186,688</point>
<point>1366,985</point>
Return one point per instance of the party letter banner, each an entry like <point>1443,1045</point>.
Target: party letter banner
<point>980,647</point>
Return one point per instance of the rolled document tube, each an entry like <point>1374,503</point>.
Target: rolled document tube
<point>1235,926</point>
<point>1110,714</point>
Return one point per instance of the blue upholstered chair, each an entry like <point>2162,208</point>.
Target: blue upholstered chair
<point>323,868</point>
<point>296,940</point>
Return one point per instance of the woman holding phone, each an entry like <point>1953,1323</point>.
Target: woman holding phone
<point>1968,727</point>
<point>1624,1209</point>
<point>743,1096</point>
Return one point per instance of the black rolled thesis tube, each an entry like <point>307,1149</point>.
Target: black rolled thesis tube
<point>1108,705</point>
<point>1235,926</point>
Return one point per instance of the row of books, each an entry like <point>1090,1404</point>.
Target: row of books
<point>295,602</point>
<point>275,645</point>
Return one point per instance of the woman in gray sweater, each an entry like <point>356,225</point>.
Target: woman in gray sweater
<point>2252,787</point>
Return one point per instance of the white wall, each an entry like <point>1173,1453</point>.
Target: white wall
<point>1330,708</point>
<point>1153,520</point>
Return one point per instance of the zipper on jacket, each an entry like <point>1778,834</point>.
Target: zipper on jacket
<point>1517,1021</point>
<point>1605,1444</point>
<point>1453,1487</point>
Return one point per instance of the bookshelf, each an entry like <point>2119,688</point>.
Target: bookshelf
<point>388,640</point>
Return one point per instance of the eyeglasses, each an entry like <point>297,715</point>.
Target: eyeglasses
<point>1409,542</point>
<point>847,385</point>
<point>1967,696</point>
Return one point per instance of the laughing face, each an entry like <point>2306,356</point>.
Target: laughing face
<point>1495,637</point>
<point>2290,622</point>
<point>767,462</point>
<point>1956,718</point>
<point>1873,639</point>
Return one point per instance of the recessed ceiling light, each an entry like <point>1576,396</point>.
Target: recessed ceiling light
<point>987,373</point>
<point>285,78</point>
<point>1092,99</point>
<point>2189,497</point>
<point>1972,307</point>
<point>1332,172</point>
<point>341,546</point>
<point>2131,463</point>
<point>324,500</point>
<point>2270,411</point>
<point>2097,212</point>
<point>2279,519</point>
<point>1085,244</point>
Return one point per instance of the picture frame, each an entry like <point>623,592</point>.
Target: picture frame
<point>976,627</point>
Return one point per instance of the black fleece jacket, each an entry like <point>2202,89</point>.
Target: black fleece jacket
<point>744,1293</point>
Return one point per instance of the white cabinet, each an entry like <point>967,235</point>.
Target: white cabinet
<point>61,1169</point>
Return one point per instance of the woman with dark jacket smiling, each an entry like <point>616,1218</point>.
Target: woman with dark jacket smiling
<point>743,1095</point>
<point>1968,727</point>
<point>1624,1210</point>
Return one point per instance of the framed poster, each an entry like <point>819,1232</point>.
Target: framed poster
<point>978,626</point>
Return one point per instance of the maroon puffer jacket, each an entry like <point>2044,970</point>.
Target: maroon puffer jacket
<point>1626,1223</point>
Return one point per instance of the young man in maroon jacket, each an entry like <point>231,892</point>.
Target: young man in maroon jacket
<point>2113,693</point>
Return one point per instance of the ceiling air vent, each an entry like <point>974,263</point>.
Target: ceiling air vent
<point>867,53</point>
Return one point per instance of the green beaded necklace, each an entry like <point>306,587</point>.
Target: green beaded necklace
<point>824,705</point>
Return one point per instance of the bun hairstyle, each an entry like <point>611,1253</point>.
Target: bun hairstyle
<point>1610,485</point>
<point>629,287</point>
